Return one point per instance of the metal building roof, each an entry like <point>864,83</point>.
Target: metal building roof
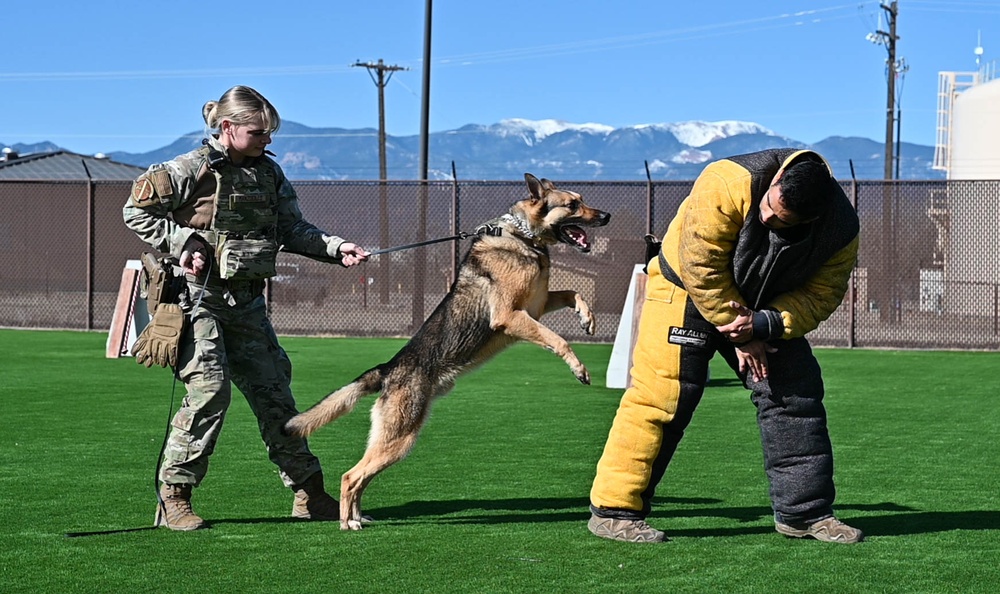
<point>66,165</point>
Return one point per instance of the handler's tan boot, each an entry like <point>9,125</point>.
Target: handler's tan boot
<point>312,502</point>
<point>175,511</point>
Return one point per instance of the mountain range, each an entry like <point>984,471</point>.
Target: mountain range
<point>550,148</point>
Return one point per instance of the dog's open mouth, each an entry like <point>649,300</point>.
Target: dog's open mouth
<point>574,236</point>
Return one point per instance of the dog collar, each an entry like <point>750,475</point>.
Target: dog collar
<point>489,229</point>
<point>495,229</point>
<point>519,223</point>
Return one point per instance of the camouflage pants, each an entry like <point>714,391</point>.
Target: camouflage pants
<point>225,345</point>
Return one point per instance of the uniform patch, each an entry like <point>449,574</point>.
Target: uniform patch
<point>161,183</point>
<point>142,192</point>
<point>238,199</point>
<point>688,337</point>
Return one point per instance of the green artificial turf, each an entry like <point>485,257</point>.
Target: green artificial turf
<point>494,496</point>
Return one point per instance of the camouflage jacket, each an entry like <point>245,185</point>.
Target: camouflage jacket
<point>172,201</point>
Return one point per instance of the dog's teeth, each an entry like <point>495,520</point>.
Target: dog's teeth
<point>577,235</point>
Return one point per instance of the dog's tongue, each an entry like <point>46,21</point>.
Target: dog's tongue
<point>578,235</point>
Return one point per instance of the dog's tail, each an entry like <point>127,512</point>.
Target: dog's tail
<point>336,404</point>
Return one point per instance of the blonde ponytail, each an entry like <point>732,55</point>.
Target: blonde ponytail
<point>240,105</point>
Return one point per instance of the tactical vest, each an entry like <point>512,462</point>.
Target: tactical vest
<point>245,220</point>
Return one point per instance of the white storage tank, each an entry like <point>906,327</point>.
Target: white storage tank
<point>971,269</point>
<point>975,133</point>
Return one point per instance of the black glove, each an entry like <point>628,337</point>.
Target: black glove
<point>159,342</point>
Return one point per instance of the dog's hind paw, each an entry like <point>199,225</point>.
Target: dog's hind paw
<point>351,524</point>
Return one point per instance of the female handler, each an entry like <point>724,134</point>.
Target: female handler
<point>223,211</point>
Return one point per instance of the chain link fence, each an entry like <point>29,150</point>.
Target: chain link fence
<point>928,274</point>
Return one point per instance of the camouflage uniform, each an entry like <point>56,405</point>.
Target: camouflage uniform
<point>243,214</point>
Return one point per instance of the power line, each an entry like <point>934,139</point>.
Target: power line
<point>378,71</point>
<point>893,68</point>
<point>728,28</point>
<point>381,73</point>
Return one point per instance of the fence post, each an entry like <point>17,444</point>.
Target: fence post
<point>885,288</point>
<point>996,309</point>
<point>384,262</point>
<point>852,319</point>
<point>649,200</point>
<point>456,221</point>
<point>91,248</point>
<point>419,258</point>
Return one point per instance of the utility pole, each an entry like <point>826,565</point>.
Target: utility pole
<point>378,71</point>
<point>420,257</point>
<point>885,291</point>
<point>891,12</point>
<point>889,39</point>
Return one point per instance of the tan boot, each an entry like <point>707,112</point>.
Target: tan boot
<point>175,511</point>
<point>312,501</point>
<point>624,530</point>
<point>828,530</point>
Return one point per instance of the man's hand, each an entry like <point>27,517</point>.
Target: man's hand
<point>753,358</point>
<point>739,330</point>
<point>351,254</point>
<point>193,256</point>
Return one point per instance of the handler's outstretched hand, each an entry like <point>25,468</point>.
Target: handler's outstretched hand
<point>352,254</point>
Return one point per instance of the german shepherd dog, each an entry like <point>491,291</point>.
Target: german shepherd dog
<point>501,290</point>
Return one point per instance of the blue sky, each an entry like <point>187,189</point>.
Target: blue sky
<point>103,76</point>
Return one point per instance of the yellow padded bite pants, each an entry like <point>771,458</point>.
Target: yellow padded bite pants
<point>669,373</point>
<point>625,470</point>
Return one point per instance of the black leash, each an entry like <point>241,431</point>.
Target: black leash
<point>161,505</point>
<point>163,447</point>
<point>462,235</point>
<point>484,229</point>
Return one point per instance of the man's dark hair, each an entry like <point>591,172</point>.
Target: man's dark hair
<point>807,188</point>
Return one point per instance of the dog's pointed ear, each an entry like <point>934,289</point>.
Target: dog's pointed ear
<point>547,185</point>
<point>535,187</point>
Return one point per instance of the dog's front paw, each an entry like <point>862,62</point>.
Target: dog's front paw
<point>587,320</point>
<point>582,374</point>
<point>351,524</point>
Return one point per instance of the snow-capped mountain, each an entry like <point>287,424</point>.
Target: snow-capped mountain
<point>699,134</point>
<point>552,148</point>
<point>534,131</point>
